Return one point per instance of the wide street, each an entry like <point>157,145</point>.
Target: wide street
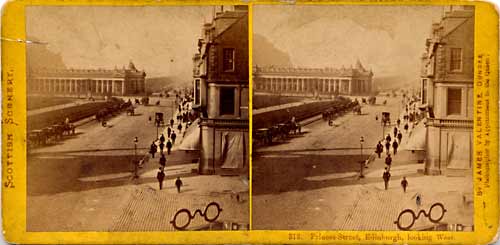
<point>311,181</point>
<point>84,182</point>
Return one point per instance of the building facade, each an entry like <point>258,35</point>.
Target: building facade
<point>221,92</point>
<point>313,81</point>
<point>447,82</point>
<point>87,82</point>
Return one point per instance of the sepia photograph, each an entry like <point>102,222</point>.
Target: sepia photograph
<point>362,117</point>
<point>137,118</point>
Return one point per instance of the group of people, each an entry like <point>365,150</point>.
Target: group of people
<point>168,143</point>
<point>393,141</point>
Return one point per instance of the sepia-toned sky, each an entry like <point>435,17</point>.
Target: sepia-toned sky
<point>388,39</point>
<point>160,40</point>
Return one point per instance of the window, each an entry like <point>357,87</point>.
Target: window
<point>454,101</point>
<point>424,91</point>
<point>456,59</point>
<point>228,59</point>
<point>197,94</point>
<point>226,101</point>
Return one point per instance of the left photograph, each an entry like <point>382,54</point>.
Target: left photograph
<point>137,118</point>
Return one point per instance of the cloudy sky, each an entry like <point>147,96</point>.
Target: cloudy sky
<point>388,39</point>
<point>161,40</point>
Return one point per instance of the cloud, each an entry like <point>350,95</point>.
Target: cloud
<point>388,39</point>
<point>161,40</point>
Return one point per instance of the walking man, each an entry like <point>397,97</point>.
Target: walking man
<point>179,127</point>
<point>172,122</point>
<point>161,147</point>
<point>169,146</point>
<point>398,122</point>
<point>153,149</point>
<point>404,183</point>
<point>163,161</point>
<point>395,132</point>
<point>400,137</point>
<point>388,161</point>
<point>174,136</point>
<point>162,138</point>
<point>386,176</point>
<point>160,176</point>
<point>380,149</point>
<point>388,138</point>
<point>395,146</point>
<point>178,184</point>
<point>169,131</point>
<point>387,146</point>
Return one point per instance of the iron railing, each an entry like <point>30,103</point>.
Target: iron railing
<point>450,123</point>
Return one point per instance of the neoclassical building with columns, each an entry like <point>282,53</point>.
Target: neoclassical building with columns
<point>87,82</point>
<point>313,81</point>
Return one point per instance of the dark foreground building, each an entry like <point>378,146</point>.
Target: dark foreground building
<point>221,92</point>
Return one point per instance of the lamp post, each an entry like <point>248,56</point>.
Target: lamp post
<point>361,162</point>
<point>135,158</point>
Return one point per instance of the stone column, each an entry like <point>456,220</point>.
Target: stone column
<point>112,87</point>
<point>123,87</point>
<point>350,86</point>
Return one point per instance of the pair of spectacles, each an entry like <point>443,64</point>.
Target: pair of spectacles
<point>183,217</point>
<point>407,217</point>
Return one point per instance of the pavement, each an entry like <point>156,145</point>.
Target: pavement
<point>85,182</point>
<point>311,181</point>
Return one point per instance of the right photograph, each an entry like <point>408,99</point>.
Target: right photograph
<point>362,117</point>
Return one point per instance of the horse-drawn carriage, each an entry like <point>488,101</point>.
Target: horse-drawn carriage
<point>357,109</point>
<point>130,110</point>
<point>372,100</point>
<point>51,133</point>
<point>386,118</point>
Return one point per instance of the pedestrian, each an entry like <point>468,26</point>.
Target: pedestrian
<point>160,176</point>
<point>161,145</point>
<point>174,136</point>
<point>379,149</point>
<point>179,127</point>
<point>404,183</point>
<point>398,122</point>
<point>150,118</point>
<point>163,161</point>
<point>169,146</point>
<point>395,147</point>
<point>418,199</point>
<point>153,149</point>
<point>406,127</point>
<point>388,138</point>
<point>386,176</point>
<point>395,132</point>
<point>162,138</point>
<point>172,122</point>
<point>388,161</point>
<point>178,184</point>
<point>169,131</point>
<point>400,137</point>
<point>387,146</point>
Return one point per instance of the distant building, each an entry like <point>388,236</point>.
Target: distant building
<point>87,82</point>
<point>221,92</point>
<point>447,92</point>
<point>313,81</point>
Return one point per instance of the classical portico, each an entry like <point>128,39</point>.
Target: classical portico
<point>313,81</point>
<point>83,82</point>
